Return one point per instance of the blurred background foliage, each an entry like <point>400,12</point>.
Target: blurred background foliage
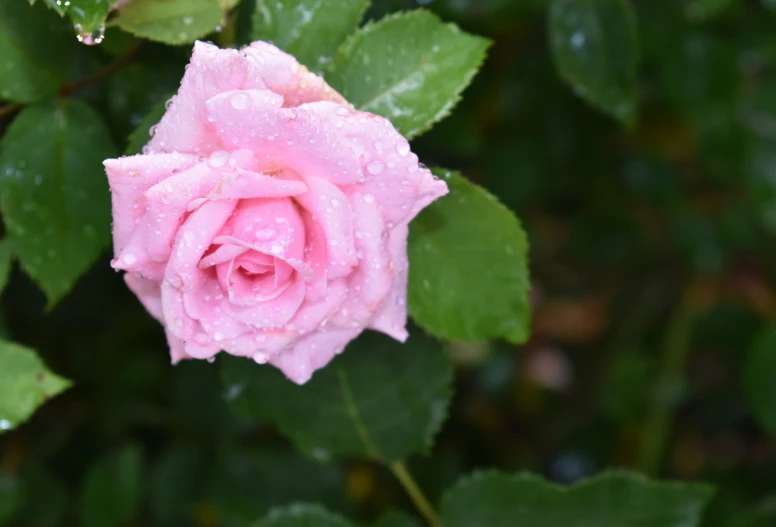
<point>652,264</point>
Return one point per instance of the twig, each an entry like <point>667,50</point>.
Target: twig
<point>101,74</point>
<point>416,495</point>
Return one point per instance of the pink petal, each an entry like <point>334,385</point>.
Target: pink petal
<point>129,178</point>
<point>183,278</point>
<point>331,209</point>
<point>167,203</point>
<point>280,72</point>
<point>283,138</point>
<point>391,318</point>
<point>369,284</point>
<point>246,184</point>
<point>312,353</point>
<point>185,126</point>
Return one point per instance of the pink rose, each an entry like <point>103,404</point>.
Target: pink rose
<point>267,218</point>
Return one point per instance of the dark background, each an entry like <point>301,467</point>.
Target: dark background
<point>652,263</point>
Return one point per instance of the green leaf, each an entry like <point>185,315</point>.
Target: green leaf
<point>53,192</point>
<point>409,67</point>
<point>25,384</point>
<point>310,30</point>
<point>112,492</point>
<point>379,399</point>
<point>396,519</point>
<point>36,52</point>
<point>172,21</point>
<point>142,134</point>
<point>613,499</point>
<point>5,263</point>
<point>595,47</point>
<point>302,515</point>
<point>758,378</point>
<point>469,267</point>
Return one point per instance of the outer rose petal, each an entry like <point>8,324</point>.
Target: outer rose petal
<point>283,138</point>
<point>185,126</point>
<point>391,319</point>
<point>280,72</point>
<point>129,178</point>
<point>312,353</point>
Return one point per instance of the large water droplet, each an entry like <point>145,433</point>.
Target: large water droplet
<point>375,167</point>
<point>90,38</point>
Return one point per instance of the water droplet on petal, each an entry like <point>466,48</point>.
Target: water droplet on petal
<point>129,258</point>
<point>403,147</point>
<point>369,198</point>
<point>375,167</point>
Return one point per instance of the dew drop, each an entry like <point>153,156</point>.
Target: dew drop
<point>403,148</point>
<point>260,358</point>
<point>375,167</point>
<point>90,38</point>
<point>369,198</point>
<point>129,258</point>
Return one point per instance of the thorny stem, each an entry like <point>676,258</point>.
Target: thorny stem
<point>101,74</point>
<point>416,495</point>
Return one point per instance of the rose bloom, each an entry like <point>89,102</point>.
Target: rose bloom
<point>266,217</point>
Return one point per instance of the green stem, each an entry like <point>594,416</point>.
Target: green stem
<point>669,387</point>
<point>416,495</point>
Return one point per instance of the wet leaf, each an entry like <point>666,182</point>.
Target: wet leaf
<point>53,191</point>
<point>36,52</point>
<point>379,399</point>
<point>595,47</point>
<point>25,384</point>
<point>310,30</point>
<point>174,22</point>
<point>409,67</point>
<point>469,266</point>
<point>613,499</point>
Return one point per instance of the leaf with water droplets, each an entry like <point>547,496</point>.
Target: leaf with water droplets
<point>612,499</point>
<point>142,134</point>
<point>595,47</point>
<point>53,193</point>
<point>409,67</point>
<point>173,22</point>
<point>310,30</point>
<point>25,384</point>
<point>380,399</point>
<point>5,263</point>
<point>36,52</point>
<point>469,266</point>
<point>302,515</point>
